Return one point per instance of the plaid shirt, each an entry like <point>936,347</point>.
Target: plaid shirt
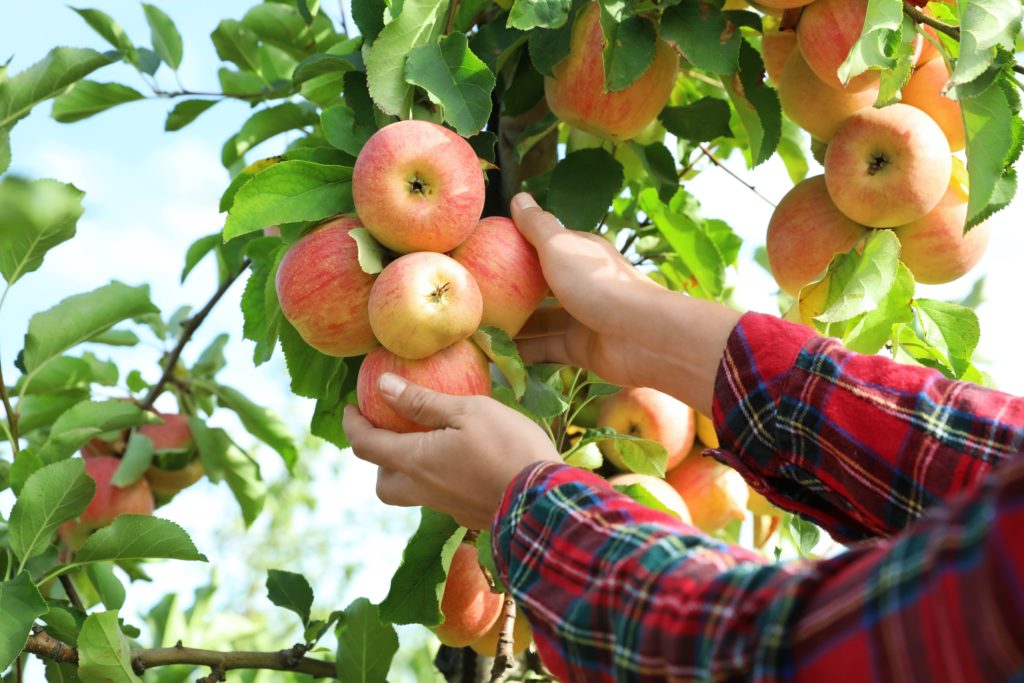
<point>921,474</point>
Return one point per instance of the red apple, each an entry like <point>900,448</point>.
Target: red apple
<point>460,369</point>
<point>934,247</point>
<point>578,93</point>
<point>776,46</point>
<point>108,503</point>
<point>324,292</point>
<point>172,437</point>
<point>648,414</point>
<point>887,167</point>
<point>827,31</point>
<point>715,494</point>
<point>928,50</point>
<point>805,232</point>
<point>924,91</point>
<point>418,186</point>
<point>422,303</point>
<point>507,269</point>
<point>659,488</point>
<point>468,605</point>
<point>814,106</point>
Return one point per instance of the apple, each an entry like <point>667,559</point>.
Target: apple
<point>887,167</point>
<point>460,369</point>
<point>468,605</point>
<point>924,91</point>
<point>659,488</point>
<point>813,105</point>
<point>785,4</point>
<point>648,414</point>
<point>418,186</point>
<point>578,94</point>
<point>934,247</point>
<point>928,50</point>
<point>706,431</point>
<point>172,437</point>
<point>108,503</point>
<point>423,302</point>
<point>826,33</point>
<point>113,446</point>
<point>715,494</point>
<point>507,269</point>
<point>776,46</point>
<point>805,232</point>
<point>522,634</point>
<point>324,292</point>
<point>759,505</point>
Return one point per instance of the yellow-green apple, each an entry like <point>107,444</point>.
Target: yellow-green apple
<point>826,32</point>
<point>423,302</point>
<point>887,167</point>
<point>468,605</point>
<point>924,91</point>
<point>814,106</point>
<point>805,232</point>
<point>759,505</point>
<point>648,414</point>
<point>579,95</point>
<point>324,292</point>
<point>507,269</point>
<point>460,369</point>
<point>173,440</point>
<point>706,431</point>
<point>714,494</point>
<point>934,247</point>
<point>659,488</point>
<point>108,503</point>
<point>522,634</point>
<point>418,186</point>
<point>776,47</point>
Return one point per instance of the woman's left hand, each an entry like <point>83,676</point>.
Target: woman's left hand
<point>462,467</point>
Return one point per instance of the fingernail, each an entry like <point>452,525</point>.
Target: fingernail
<point>391,385</point>
<point>523,200</point>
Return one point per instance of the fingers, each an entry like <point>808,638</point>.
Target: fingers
<point>551,349</point>
<point>536,224</point>
<point>397,488</point>
<point>419,404</point>
<point>379,446</point>
<point>544,322</point>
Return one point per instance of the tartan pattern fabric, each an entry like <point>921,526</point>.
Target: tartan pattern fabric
<point>927,469</point>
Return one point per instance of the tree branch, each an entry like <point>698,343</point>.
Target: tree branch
<point>706,152</point>
<point>71,591</point>
<point>504,656</point>
<point>922,17</point>
<point>188,329</point>
<point>46,646</point>
<point>12,417</point>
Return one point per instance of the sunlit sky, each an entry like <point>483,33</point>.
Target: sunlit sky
<point>149,194</point>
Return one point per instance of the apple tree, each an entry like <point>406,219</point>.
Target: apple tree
<point>606,112</point>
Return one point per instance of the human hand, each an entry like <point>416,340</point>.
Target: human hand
<point>462,467</point>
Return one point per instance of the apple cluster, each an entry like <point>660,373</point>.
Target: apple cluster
<point>888,168</point>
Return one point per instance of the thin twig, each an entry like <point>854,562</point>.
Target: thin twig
<point>170,94</point>
<point>504,656</point>
<point>71,591</point>
<point>628,244</point>
<point>451,16</point>
<point>12,417</point>
<point>188,329</point>
<point>706,152</point>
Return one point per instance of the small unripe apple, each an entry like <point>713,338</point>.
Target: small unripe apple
<point>805,232</point>
<point>578,93</point>
<point>522,634</point>
<point>706,431</point>
<point>423,302</point>
<point>468,605</point>
<point>924,91</point>
<point>108,503</point>
<point>324,292</point>
<point>507,269</point>
<point>460,369</point>
<point>659,488</point>
<point>715,494</point>
<point>814,106</point>
<point>648,414</point>
<point>418,186</point>
<point>887,167</point>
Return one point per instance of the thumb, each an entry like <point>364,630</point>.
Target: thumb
<point>536,224</point>
<point>419,404</point>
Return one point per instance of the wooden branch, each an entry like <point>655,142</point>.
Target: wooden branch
<point>12,417</point>
<point>504,656</point>
<point>188,329</point>
<point>46,646</point>
<point>706,152</point>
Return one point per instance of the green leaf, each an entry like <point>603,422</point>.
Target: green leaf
<point>197,250</point>
<point>340,391</point>
<point>950,328</point>
<point>311,372</point>
<point>110,30</point>
<point>805,533</point>
<point>549,47</point>
<point>583,186</point>
<point>115,338</point>
<point>185,112</point>
<point>541,398</point>
<point>700,32</point>
<point>503,352</point>
<point>237,44</point>
<point>87,98</point>
<point>629,44</point>
<point>879,40</point>
<point>50,497</point>
<point>486,560</point>
<point>107,585</point>
<point>370,253</point>
<point>342,130</point>
<point>86,420</point>
<point>104,652</point>
<point>261,422</point>
<point>642,495</point>
<point>529,14</point>
<point>757,105</point>
<point>419,24</point>
<point>893,79</point>
<point>366,644</point>
<point>40,411</point>
<point>138,537</point>
<point>138,456</point>
<point>281,25</point>
<point>211,360</point>
<point>260,309</point>
<point>5,149</point>
<point>61,673</point>
<point>261,126</point>
<point>985,26</point>
<point>35,216</point>
<point>861,281</point>
<point>870,332</point>
<point>63,622</point>
<point>20,605</point>
<point>165,36</point>
<point>701,121</point>
<point>290,591</point>
<point>994,137</point>
<point>322,64</point>
<point>81,317</point>
<point>642,456</point>
<point>456,78</point>
<point>289,192</point>
<point>45,79</point>
<point>369,18</point>
<point>417,586</point>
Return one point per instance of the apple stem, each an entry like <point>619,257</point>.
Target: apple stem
<point>878,163</point>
